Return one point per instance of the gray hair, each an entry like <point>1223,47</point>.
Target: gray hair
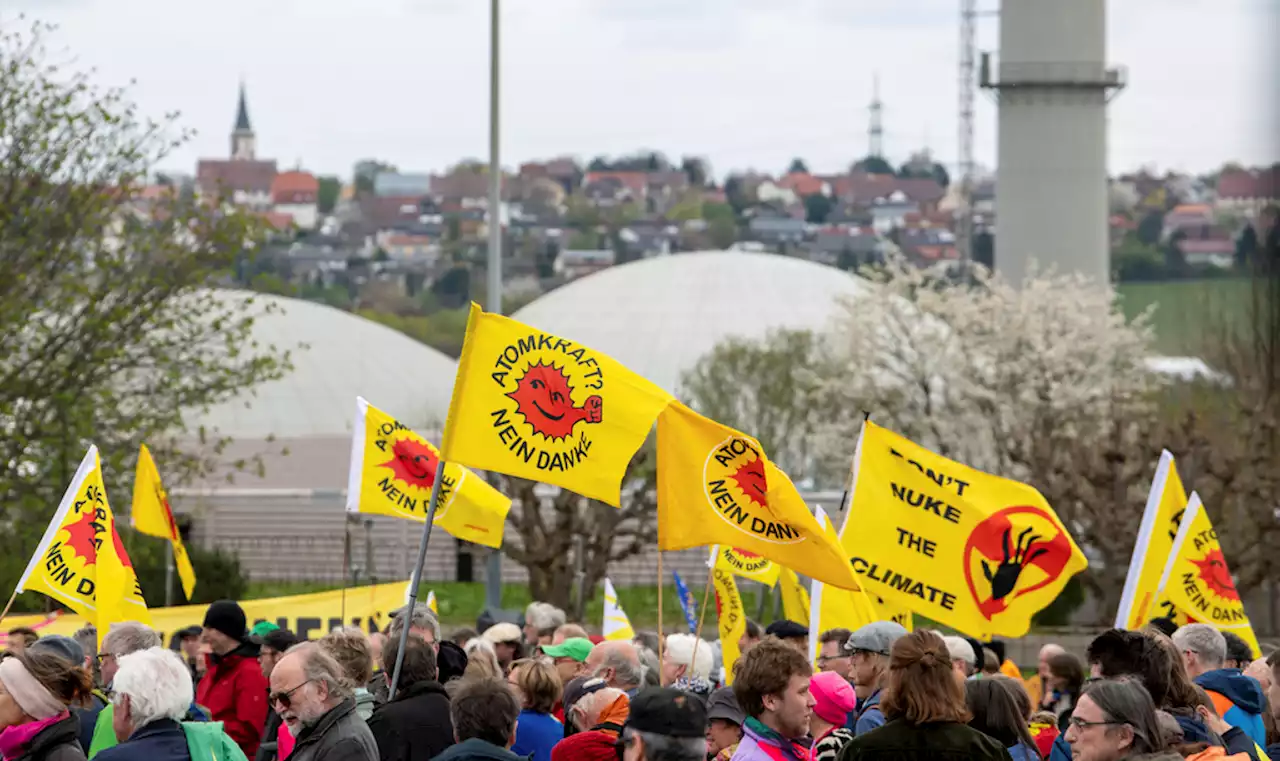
<point>157,683</point>
<point>1205,641</point>
<point>650,668</point>
<point>1125,701</point>
<point>664,748</point>
<point>319,666</point>
<point>126,637</point>
<point>87,638</point>
<point>960,650</point>
<point>423,618</point>
<point>544,617</point>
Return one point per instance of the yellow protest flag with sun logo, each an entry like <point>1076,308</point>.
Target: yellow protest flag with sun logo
<point>537,406</point>
<point>747,565</point>
<point>1166,504</point>
<point>732,619</point>
<point>967,549</point>
<point>717,487</point>
<point>393,469</point>
<point>80,561</point>
<point>1197,579</point>
<point>151,515</point>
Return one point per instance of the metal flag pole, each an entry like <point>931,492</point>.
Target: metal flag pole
<point>493,299</point>
<point>416,578</point>
<point>168,576</point>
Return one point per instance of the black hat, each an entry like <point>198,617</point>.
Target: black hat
<point>63,646</point>
<point>226,616</point>
<point>787,630</point>
<point>451,662</point>
<point>997,647</point>
<point>579,687</point>
<point>723,705</point>
<point>1237,648</point>
<point>664,711</point>
<point>1164,624</point>
<point>978,655</point>
<point>190,631</point>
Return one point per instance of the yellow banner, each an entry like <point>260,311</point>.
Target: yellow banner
<point>537,406</point>
<point>1198,581</point>
<point>392,472</point>
<point>80,561</point>
<point>151,515</point>
<point>795,600</point>
<point>717,487</point>
<point>747,565</point>
<point>733,619</point>
<point>310,615</point>
<point>978,553</point>
<point>1166,504</point>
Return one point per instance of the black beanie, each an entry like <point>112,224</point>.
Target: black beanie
<point>226,616</point>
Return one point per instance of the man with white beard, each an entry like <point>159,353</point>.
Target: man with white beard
<point>315,703</point>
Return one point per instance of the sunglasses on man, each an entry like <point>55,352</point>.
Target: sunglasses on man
<point>285,699</point>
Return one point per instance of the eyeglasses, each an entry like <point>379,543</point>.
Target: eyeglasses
<point>103,656</point>
<point>1081,724</point>
<point>825,659</point>
<point>285,699</point>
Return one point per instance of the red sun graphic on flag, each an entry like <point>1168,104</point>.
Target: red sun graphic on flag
<point>751,480</point>
<point>1216,576</point>
<point>120,550</point>
<point>745,553</point>
<point>545,399</point>
<point>83,536</point>
<point>413,463</point>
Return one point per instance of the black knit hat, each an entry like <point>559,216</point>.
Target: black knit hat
<point>226,616</point>
<point>664,711</point>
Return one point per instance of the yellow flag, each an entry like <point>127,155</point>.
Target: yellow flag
<point>1198,581</point>
<point>733,619</point>
<point>616,624</point>
<point>80,561</point>
<point>431,602</point>
<point>537,406</point>
<point>975,552</point>
<point>795,600</point>
<point>717,487</point>
<point>747,565</point>
<point>152,516</point>
<point>1166,504</point>
<point>887,611</point>
<point>393,469</point>
<point>834,608</point>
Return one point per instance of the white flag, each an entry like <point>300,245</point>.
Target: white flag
<point>616,624</point>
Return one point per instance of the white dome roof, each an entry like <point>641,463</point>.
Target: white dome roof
<point>659,316</point>
<point>341,356</point>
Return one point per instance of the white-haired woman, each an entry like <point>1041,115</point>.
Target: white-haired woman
<point>482,660</point>
<point>686,664</point>
<point>152,695</point>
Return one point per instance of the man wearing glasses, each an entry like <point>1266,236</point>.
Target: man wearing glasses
<point>309,692</point>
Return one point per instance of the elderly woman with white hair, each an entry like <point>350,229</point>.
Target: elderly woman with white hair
<point>152,693</point>
<point>686,664</point>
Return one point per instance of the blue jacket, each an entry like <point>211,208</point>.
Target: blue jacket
<point>869,715</point>
<point>161,740</point>
<point>1244,695</point>
<point>1021,752</point>
<point>1061,750</point>
<point>536,735</point>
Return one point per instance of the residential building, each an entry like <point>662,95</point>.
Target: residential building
<point>243,179</point>
<point>778,230</point>
<point>401,184</point>
<point>1186,215</point>
<point>615,188</point>
<point>1248,191</point>
<point>297,194</point>
<point>1206,244</point>
<point>575,263</point>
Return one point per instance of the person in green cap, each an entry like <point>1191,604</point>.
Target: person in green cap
<point>570,659</point>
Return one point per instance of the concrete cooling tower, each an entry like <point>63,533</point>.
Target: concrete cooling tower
<point>1053,85</point>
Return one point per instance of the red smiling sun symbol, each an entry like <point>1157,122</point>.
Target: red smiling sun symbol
<point>83,536</point>
<point>751,481</point>
<point>545,399</point>
<point>413,463</point>
<point>1216,575</point>
<point>120,550</point>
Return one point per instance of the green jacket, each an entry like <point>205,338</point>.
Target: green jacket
<point>104,734</point>
<point>207,742</point>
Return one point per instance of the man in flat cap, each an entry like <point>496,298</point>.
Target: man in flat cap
<point>666,724</point>
<point>870,648</point>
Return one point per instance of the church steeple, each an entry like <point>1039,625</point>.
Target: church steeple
<point>242,137</point>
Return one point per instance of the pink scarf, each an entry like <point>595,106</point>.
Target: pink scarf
<point>15,739</point>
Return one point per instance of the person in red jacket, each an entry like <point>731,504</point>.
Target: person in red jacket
<point>233,689</point>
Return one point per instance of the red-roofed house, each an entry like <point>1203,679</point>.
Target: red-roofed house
<point>242,180</point>
<point>297,194</point>
<point>1248,190</point>
<point>803,184</point>
<point>612,188</point>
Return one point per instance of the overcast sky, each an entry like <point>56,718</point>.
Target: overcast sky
<point>747,83</point>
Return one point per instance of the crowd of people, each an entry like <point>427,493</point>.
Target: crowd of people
<point>549,691</point>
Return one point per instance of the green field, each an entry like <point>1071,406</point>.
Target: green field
<point>1188,313</point>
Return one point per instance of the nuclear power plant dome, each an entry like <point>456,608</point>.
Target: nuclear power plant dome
<point>659,316</point>
<point>336,356</point>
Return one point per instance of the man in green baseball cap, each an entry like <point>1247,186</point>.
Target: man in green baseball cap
<point>569,656</point>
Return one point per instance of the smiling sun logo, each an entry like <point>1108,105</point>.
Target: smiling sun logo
<point>1216,576</point>
<point>750,479</point>
<point>544,398</point>
<point>413,463</point>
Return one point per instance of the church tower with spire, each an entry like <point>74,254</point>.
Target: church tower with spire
<point>243,142</point>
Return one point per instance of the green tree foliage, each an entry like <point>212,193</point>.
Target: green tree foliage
<point>874,165</point>
<point>1150,227</point>
<point>330,187</point>
<point>109,333</point>
<point>762,387</point>
<point>797,166</point>
<point>817,208</point>
<point>697,170</point>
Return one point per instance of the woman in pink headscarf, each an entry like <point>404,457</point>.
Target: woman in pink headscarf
<point>35,690</point>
